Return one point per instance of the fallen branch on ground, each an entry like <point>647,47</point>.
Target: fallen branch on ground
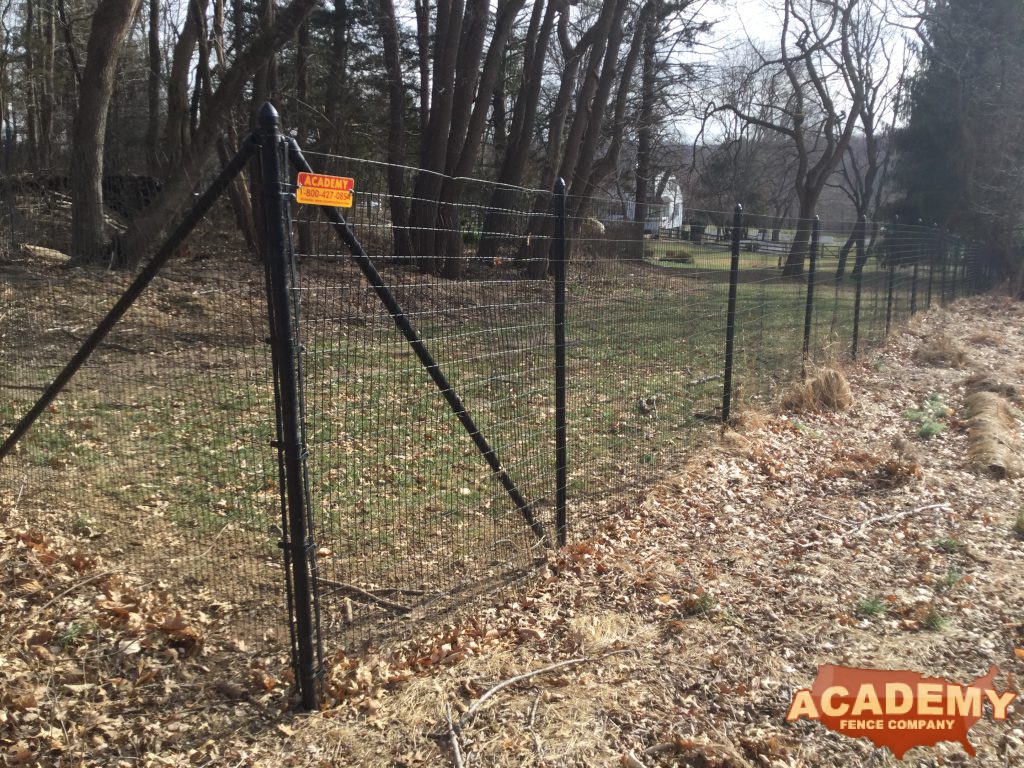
<point>352,589</point>
<point>892,518</point>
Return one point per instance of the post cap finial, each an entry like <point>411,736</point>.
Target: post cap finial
<point>738,208</point>
<point>268,117</point>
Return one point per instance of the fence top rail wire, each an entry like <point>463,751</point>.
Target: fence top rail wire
<point>414,169</point>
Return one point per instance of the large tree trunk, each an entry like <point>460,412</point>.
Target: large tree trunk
<point>177,133</point>
<point>645,137</point>
<point>388,23</point>
<point>31,110</point>
<point>153,90</point>
<point>524,117</point>
<point>801,240</point>
<point>110,25</point>
<point>434,152</point>
<point>337,84</point>
<point>463,154</point>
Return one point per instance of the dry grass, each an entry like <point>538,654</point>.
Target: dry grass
<point>994,446</point>
<point>941,351</point>
<point>985,338</point>
<point>828,391</point>
<point>985,383</point>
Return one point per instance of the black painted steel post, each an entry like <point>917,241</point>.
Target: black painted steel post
<point>913,284</point>
<point>730,323</point>
<point>944,256</point>
<point>561,429</point>
<point>861,225</point>
<point>812,269</point>
<point>290,443</point>
<point>889,293</point>
<point>936,245</point>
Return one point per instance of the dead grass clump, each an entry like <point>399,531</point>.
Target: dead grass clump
<point>747,420</point>
<point>993,442</point>
<point>828,391</point>
<point>941,350</point>
<point>985,338</point>
<point>983,383</point>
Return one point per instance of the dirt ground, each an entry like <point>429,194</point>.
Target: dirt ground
<point>673,633</point>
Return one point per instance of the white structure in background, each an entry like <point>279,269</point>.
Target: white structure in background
<point>667,214</point>
<point>672,200</point>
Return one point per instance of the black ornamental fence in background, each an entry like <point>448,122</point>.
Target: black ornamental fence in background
<point>331,441</point>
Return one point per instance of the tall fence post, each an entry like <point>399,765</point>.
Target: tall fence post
<point>859,237</point>
<point>916,256</point>
<point>809,312</point>
<point>299,549</point>
<point>943,256</point>
<point>561,430</point>
<point>936,246</point>
<point>956,269</point>
<point>889,294</point>
<point>730,323</point>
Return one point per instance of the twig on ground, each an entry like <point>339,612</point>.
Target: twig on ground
<point>55,598</point>
<point>352,589</point>
<point>453,738</point>
<point>892,518</point>
<point>528,675</point>
<point>531,716</point>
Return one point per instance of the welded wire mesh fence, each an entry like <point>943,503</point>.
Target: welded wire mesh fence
<point>157,454</point>
<point>425,381</point>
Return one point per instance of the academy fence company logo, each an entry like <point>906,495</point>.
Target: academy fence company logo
<point>899,710</point>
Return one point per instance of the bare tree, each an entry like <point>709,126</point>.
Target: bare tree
<point>110,25</point>
<point>821,64</point>
<point>864,168</point>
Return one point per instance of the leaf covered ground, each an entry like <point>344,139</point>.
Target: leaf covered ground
<point>674,632</point>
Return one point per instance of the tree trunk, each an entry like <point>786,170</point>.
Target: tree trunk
<point>524,117</point>
<point>227,142</point>
<point>337,84</point>
<point>388,25</point>
<point>149,228</point>
<point>110,25</point>
<point>422,8</point>
<point>153,90</point>
<point>645,137</point>
<point>462,157</point>
<point>31,110</point>
<point>801,240</point>
<point>177,133</point>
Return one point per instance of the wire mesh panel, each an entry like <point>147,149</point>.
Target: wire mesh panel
<point>409,513</point>
<point>157,454</point>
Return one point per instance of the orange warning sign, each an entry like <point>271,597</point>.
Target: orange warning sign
<point>317,189</point>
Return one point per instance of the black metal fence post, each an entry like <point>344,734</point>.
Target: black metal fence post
<point>299,550</point>
<point>936,245</point>
<point>809,312</point>
<point>859,237</point>
<point>889,293</point>
<point>730,323</point>
<point>916,256</point>
<point>561,434</point>
<point>944,257</point>
<point>957,262</point>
